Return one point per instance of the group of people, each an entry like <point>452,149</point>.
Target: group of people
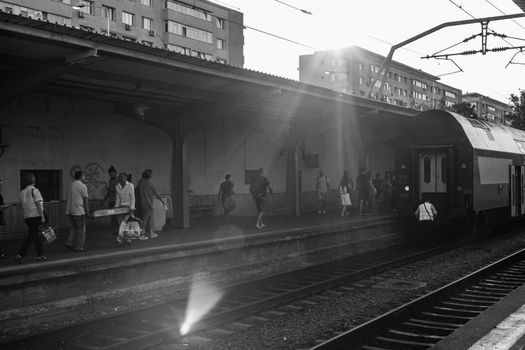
<point>259,189</point>
<point>120,193</point>
<point>369,192</point>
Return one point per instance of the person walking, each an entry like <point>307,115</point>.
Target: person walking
<point>2,217</point>
<point>148,193</point>
<point>125,198</point>
<point>363,191</point>
<point>426,214</point>
<point>76,209</point>
<point>377,182</point>
<point>33,209</point>
<point>322,186</point>
<point>387,189</point>
<point>226,199</point>
<point>344,192</point>
<point>111,196</point>
<point>259,189</point>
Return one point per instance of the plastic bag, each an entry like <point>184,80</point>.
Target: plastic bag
<point>47,235</point>
<point>130,227</point>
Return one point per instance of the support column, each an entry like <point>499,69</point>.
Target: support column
<point>179,178</point>
<point>290,201</point>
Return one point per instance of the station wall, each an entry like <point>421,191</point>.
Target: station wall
<point>64,135</point>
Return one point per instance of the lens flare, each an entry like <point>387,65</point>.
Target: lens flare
<point>203,297</point>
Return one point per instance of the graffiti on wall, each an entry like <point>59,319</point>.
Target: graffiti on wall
<point>96,179</point>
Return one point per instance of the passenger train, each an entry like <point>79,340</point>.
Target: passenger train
<point>472,170</point>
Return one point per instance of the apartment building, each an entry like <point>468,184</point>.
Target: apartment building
<point>488,108</point>
<point>354,70</point>
<point>197,28</point>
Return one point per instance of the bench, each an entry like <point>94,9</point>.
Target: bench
<point>202,210</point>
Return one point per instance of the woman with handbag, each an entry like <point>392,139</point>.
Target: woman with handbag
<point>33,208</point>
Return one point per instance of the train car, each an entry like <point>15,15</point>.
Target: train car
<point>469,168</point>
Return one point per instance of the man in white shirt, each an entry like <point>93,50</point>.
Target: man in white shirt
<point>125,193</point>
<point>76,210</point>
<point>426,213</point>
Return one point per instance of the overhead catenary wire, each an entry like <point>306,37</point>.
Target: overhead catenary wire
<point>503,13</point>
<point>468,13</point>
<point>270,34</point>
<point>295,8</point>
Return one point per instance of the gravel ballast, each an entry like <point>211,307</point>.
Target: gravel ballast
<point>355,304</point>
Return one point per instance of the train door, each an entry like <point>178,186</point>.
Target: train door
<point>517,197</point>
<point>433,172</point>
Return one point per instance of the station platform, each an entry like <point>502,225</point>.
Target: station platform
<point>74,287</point>
<point>500,327</point>
<point>99,239</point>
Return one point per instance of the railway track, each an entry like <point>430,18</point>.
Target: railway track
<point>149,327</point>
<point>423,322</point>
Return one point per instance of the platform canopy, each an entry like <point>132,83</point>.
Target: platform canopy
<point>153,83</point>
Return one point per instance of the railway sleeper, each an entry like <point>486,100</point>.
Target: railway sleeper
<point>445,317</point>
<point>445,324</point>
<point>415,336</point>
<point>403,344</point>
<point>456,311</point>
<point>465,306</point>
<point>485,294</point>
<point>429,328</point>
<point>498,285</point>
<point>472,301</point>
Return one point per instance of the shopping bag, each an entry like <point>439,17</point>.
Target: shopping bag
<point>47,235</point>
<point>130,227</point>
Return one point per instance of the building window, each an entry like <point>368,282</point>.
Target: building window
<point>419,84</point>
<point>419,95</point>
<point>450,94</point>
<point>47,182</point>
<point>88,7</point>
<point>128,18</point>
<point>109,12</point>
<point>220,22</point>
<point>146,2</point>
<point>147,23</point>
<point>52,18</point>
<point>221,44</point>
<point>374,69</point>
<point>189,10</point>
<point>189,32</point>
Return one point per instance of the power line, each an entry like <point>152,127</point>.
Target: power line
<point>270,34</point>
<point>295,8</point>
<point>503,13</point>
<point>462,9</point>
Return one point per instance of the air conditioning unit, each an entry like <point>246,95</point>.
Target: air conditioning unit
<point>151,33</point>
<point>128,26</point>
<point>81,14</point>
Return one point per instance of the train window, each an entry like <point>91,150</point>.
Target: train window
<point>444,169</point>
<point>426,170</point>
<point>478,123</point>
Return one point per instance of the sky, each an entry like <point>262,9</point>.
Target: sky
<point>376,25</point>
